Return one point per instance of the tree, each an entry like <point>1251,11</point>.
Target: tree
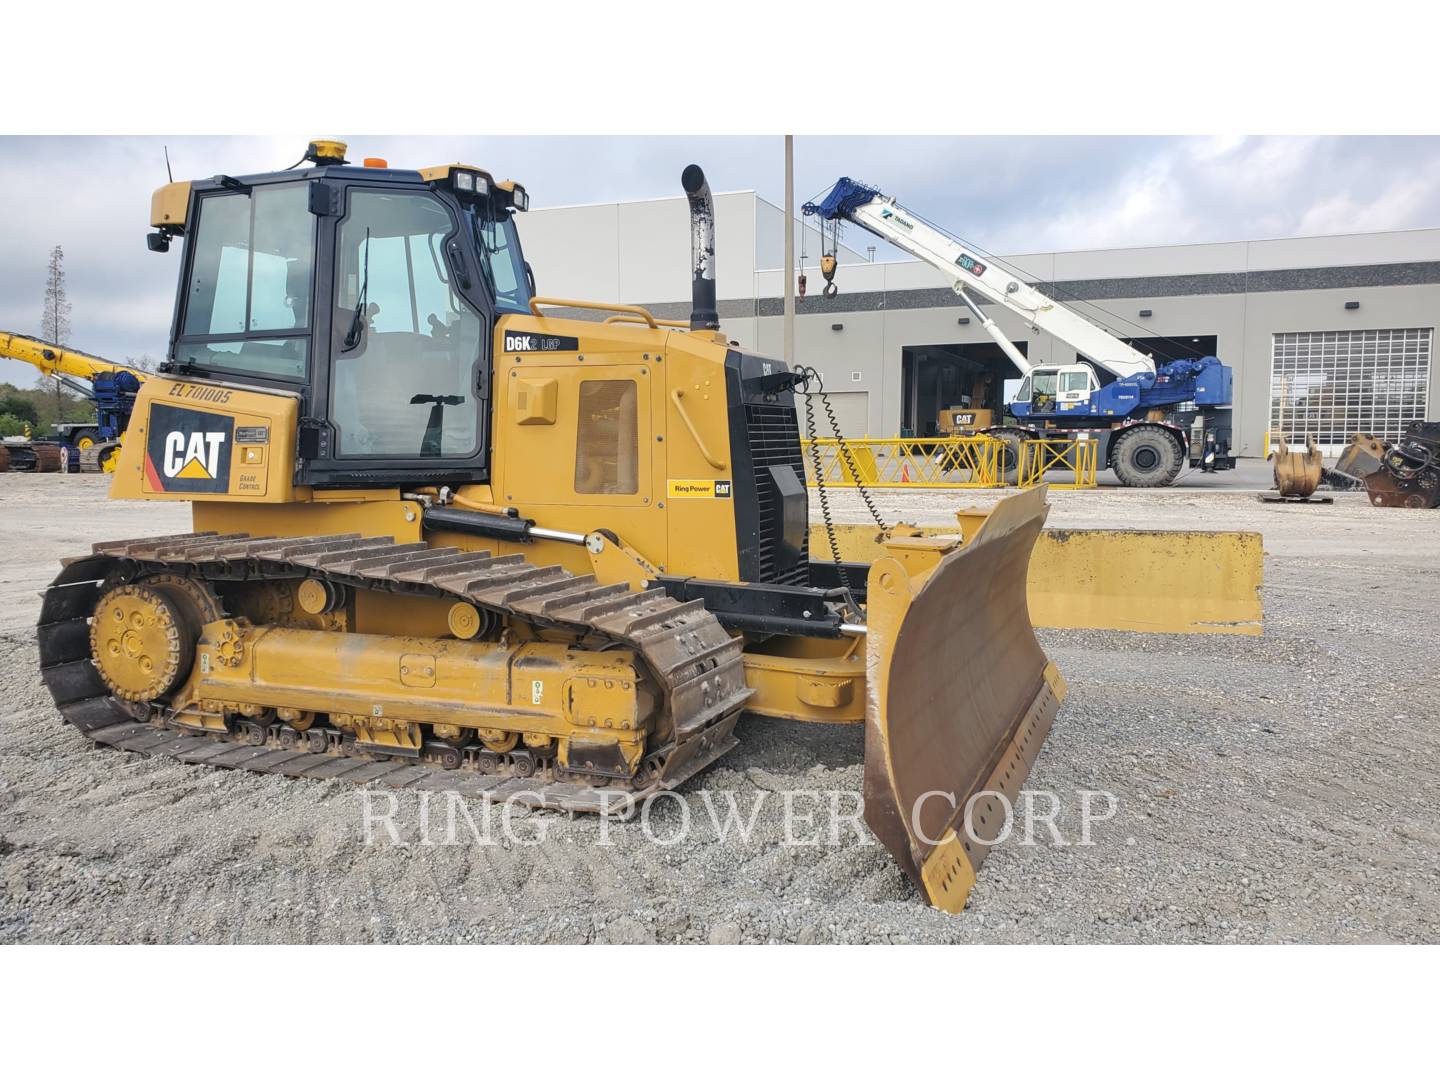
<point>40,408</point>
<point>12,403</point>
<point>55,322</point>
<point>143,362</point>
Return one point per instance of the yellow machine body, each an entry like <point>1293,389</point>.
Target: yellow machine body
<point>675,507</point>
<point>383,687</point>
<point>961,421</point>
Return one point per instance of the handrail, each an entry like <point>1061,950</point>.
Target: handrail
<point>683,324</point>
<point>591,305</point>
<point>675,396</point>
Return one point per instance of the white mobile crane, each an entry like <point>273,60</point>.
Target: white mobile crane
<point>1146,420</point>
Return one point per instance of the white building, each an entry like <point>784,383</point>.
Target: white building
<point>1328,335</point>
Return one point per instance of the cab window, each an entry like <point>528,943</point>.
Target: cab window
<point>247,305</point>
<point>1075,380</point>
<point>499,247</point>
<point>1043,382</point>
<point>405,343</point>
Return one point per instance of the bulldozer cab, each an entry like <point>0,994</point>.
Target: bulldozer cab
<point>372,294</point>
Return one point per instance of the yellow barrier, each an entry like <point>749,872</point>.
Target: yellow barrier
<point>968,461</point>
<point>1185,582</point>
<point>955,461</point>
<point>1040,456</point>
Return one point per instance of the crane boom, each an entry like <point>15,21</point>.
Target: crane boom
<point>970,272</point>
<point>57,361</point>
<point>109,386</point>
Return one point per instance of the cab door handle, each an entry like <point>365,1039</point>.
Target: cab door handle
<point>457,264</point>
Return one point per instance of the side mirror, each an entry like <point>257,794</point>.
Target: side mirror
<point>157,241</point>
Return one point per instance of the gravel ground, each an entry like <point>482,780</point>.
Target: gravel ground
<point>1279,788</point>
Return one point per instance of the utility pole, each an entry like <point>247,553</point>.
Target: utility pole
<point>789,354</point>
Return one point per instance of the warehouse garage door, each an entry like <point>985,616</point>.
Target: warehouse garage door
<point>1331,384</point>
<point>852,413</point>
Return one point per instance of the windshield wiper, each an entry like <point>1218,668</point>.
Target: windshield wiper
<point>356,333</point>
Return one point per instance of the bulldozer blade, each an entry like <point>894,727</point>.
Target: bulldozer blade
<point>960,697</point>
<point>1191,581</point>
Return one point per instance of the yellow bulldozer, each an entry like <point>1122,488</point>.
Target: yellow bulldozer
<point>452,534</point>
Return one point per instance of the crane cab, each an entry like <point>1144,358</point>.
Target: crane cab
<point>1060,388</point>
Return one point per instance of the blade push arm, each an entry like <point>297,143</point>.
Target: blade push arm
<point>968,271</point>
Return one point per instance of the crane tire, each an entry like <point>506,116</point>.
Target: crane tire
<point>1008,465</point>
<point>1147,457</point>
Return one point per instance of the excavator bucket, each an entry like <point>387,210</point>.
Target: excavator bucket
<point>1297,474</point>
<point>960,695</point>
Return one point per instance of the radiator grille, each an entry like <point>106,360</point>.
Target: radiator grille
<point>775,440</point>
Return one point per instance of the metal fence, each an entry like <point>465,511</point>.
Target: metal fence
<point>970,461</point>
<point>961,461</point>
<point>1038,457</point>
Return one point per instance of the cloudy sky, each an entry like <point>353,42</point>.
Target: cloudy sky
<point>1011,195</point>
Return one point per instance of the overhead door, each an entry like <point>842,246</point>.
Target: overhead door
<point>852,414</point>
<point>1331,384</point>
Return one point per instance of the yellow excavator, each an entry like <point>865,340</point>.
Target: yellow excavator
<point>109,386</point>
<point>450,534</point>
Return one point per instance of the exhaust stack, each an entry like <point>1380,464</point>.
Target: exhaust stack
<point>703,314</point>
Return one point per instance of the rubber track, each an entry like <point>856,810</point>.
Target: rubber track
<point>90,457</point>
<point>689,655</point>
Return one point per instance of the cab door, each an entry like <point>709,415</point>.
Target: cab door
<point>404,394</point>
<point>1074,386</point>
